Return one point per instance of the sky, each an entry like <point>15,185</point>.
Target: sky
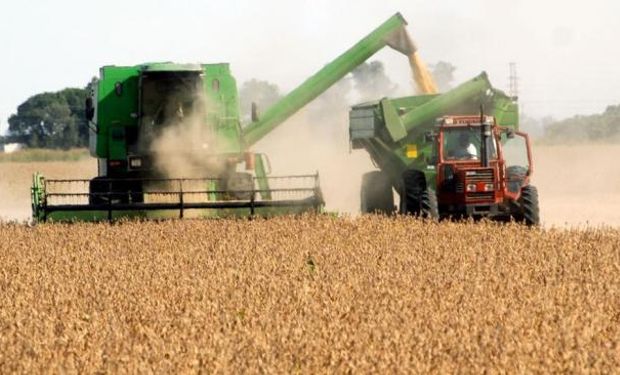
<point>566,51</point>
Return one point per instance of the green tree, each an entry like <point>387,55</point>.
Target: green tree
<point>75,98</point>
<point>598,127</point>
<point>51,120</point>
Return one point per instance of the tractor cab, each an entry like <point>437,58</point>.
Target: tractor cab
<point>480,166</point>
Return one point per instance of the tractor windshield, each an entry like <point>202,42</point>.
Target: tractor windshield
<point>464,143</point>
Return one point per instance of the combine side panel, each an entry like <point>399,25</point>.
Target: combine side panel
<point>117,110</point>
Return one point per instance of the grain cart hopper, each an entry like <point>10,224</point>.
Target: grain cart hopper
<point>449,155</point>
<point>168,140</point>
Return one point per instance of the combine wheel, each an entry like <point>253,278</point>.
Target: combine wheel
<point>417,198</point>
<point>528,201</point>
<point>240,185</point>
<point>376,193</point>
<point>119,191</point>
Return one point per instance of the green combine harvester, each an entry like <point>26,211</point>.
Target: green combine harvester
<point>457,154</point>
<point>169,142</point>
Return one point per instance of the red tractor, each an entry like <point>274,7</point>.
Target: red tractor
<point>481,170</point>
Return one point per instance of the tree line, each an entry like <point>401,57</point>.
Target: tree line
<point>603,127</point>
<point>51,120</point>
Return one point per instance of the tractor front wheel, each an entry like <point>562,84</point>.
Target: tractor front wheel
<point>528,203</point>
<point>417,198</point>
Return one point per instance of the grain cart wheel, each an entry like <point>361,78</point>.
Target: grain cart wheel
<point>376,194</point>
<point>418,199</point>
<point>528,202</point>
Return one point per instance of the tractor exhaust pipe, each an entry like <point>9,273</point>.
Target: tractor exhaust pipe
<point>485,136</point>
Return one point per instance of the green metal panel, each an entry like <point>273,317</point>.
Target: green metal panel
<point>407,103</point>
<point>325,78</point>
<point>505,110</point>
<point>394,125</point>
<point>222,107</point>
<point>116,109</point>
<point>261,176</point>
<point>471,91</point>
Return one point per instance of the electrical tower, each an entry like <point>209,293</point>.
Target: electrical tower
<point>514,81</point>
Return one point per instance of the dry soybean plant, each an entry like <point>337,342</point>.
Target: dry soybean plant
<point>313,294</point>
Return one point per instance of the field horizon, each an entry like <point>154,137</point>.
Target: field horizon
<point>574,183</point>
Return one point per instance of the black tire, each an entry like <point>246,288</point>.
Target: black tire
<point>516,175</point>
<point>429,206</point>
<point>528,203</point>
<point>98,189</point>
<point>417,198</point>
<point>376,194</point>
<point>118,191</point>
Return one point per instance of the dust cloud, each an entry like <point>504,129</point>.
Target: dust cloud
<point>302,146</point>
<point>185,145</point>
<point>578,184</point>
<point>316,139</point>
<point>17,180</point>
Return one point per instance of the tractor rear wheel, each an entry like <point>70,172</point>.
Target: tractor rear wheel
<point>528,202</point>
<point>376,193</point>
<point>417,198</point>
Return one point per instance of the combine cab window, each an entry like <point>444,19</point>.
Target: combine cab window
<point>465,144</point>
<point>168,99</point>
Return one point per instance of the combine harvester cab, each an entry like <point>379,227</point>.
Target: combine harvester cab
<point>169,142</point>
<point>444,157</point>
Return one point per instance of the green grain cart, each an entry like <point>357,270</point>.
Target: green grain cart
<point>448,155</point>
<point>169,141</point>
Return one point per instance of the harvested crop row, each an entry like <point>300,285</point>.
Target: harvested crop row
<point>311,294</point>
